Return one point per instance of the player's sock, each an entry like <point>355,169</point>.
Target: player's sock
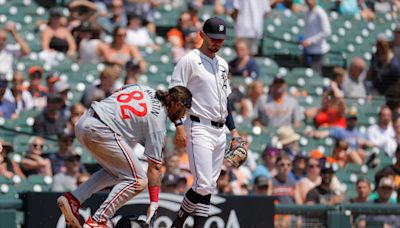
<point>201,214</point>
<point>187,207</point>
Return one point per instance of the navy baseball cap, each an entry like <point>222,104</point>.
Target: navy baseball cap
<point>215,28</point>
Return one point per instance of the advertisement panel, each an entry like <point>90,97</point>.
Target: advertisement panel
<point>226,211</point>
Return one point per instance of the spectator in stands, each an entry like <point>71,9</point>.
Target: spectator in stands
<point>145,9</point>
<point>249,104</point>
<point>10,51</point>
<point>385,190</point>
<point>37,90</point>
<point>68,181</point>
<point>335,86</point>
<point>91,47</point>
<point>294,6</point>
<point>56,36</point>
<point>397,130</point>
<point>133,72</point>
<point>311,180</point>
<point>331,113</point>
<point>51,79</point>
<point>224,181</point>
<point>50,122</point>
<point>288,141</point>
<point>8,167</point>
<point>81,11</point>
<point>322,194</point>
<point>243,65</point>
<point>268,166</point>
<point>137,34</point>
<point>357,140</point>
<point>340,154</point>
<point>261,186</point>
<point>382,133</point>
<point>396,41</point>
<point>116,17</point>
<point>190,42</point>
<point>299,167</point>
<point>108,78</point>
<point>316,30</point>
<point>175,35</point>
<point>65,140</point>
<point>354,80</point>
<point>254,11</point>
<point>77,111</point>
<point>363,188</point>
<point>384,70</point>
<point>284,187</point>
<point>20,98</point>
<point>193,9</point>
<point>394,169</point>
<point>34,163</point>
<point>6,106</point>
<point>62,89</point>
<point>119,52</point>
<point>279,108</point>
<point>172,183</point>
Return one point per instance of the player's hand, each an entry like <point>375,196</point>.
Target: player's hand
<point>306,43</point>
<point>180,137</point>
<point>151,212</point>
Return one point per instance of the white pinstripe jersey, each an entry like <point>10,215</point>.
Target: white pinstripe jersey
<point>136,115</point>
<point>207,80</point>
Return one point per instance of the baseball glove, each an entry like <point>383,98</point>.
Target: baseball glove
<point>237,152</point>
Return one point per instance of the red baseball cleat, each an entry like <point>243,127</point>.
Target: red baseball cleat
<point>69,206</point>
<point>90,223</point>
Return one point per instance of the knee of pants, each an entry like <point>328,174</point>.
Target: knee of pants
<point>141,184</point>
<point>204,190</point>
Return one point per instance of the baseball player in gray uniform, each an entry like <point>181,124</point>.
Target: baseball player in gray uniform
<point>205,74</point>
<point>134,114</point>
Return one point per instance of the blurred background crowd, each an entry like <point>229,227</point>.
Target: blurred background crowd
<point>316,90</point>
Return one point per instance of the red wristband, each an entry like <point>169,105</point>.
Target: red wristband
<point>153,192</point>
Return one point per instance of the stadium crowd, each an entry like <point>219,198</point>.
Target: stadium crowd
<point>121,36</point>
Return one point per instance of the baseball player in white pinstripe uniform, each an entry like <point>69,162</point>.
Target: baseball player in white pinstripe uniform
<point>205,74</point>
<point>135,114</point>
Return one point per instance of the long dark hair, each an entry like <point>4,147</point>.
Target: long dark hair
<point>177,93</point>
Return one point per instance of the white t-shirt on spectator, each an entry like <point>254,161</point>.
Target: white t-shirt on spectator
<point>250,19</point>
<point>139,37</point>
<point>7,55</point>
<point>383,138</point>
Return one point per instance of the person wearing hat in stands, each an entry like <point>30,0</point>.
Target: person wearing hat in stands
<point>385,189</point>
<point>175,35</point>
<point>261,186</point>
<point>65,140</point>
<point>56,36</point>
<point>190,40</point>
<point>173,183</point>
<point>268,166</point>
<point>395,168</point>
<point>50,122</point>
<point>51,79</point>
<point>37,90</point>
<point>322,194</point>
<point>278,108</point>
<point>67,181</point>
<point>8,167</point>
<point>288,140</point>
<point>34,162</point>
<point>62,89</point>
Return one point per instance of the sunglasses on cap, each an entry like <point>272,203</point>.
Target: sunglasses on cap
<point>187,103</point>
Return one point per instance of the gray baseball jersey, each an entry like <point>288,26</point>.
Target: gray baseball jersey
<point>134,113</point>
